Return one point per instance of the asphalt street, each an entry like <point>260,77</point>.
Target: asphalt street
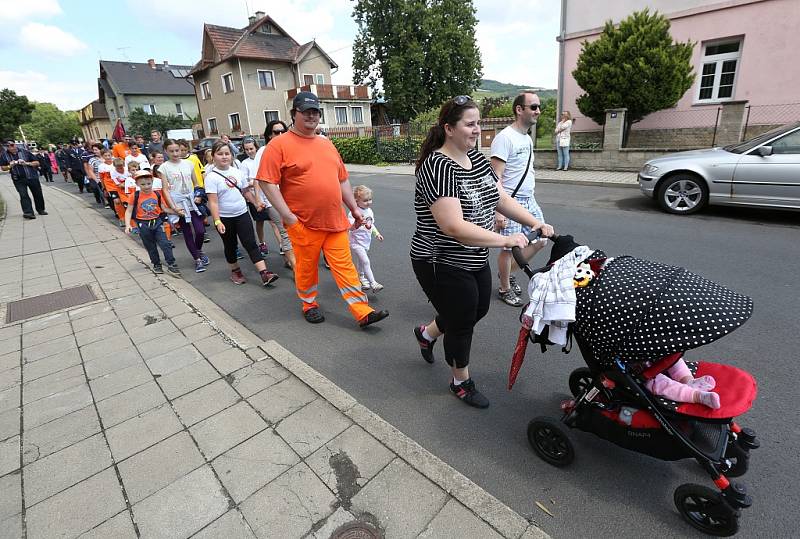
<point>607,491</point>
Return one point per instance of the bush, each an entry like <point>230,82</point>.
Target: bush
<point>502,111</point>
<point>359,151</point>
<point>399,150</point>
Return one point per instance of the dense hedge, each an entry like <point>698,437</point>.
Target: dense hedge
<point>368,151</point>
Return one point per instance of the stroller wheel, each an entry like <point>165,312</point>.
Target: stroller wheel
<point>705,510</point>
<point>740,460</point>
<point>549,441</point>
<point>579,381</point>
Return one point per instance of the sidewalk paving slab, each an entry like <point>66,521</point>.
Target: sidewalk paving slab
<point>150,412</point>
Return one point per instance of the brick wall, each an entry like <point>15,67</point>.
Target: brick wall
<point>695,137</point>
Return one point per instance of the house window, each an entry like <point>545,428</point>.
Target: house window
<point>271,115</point>
<point>718,75</point>
<point>205,90</point>
<point>149,108</point>
<point>227,83</point>
<point>233,120</point>
<point>266,80</point>
<point>341,115</point>
<point>320,78</point>
<point>357,114</point>
<point>308,80</point>
<point>321,115</point>
<point>179,110</point>
<point>212,126</point>
<point>112,114</point>
<point>96,132</point>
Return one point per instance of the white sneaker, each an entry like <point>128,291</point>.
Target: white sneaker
<point>365,284</point>
<point>376,286</point>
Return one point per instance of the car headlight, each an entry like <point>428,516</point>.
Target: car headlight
<point>649,169</point>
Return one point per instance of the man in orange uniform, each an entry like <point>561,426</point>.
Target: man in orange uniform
<point>304,178</point>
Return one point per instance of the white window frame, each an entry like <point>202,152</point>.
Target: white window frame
<point>313,79</point>
<point>336,110</point>
<point>353,116</point>
<point>179,110</point>
<point>230,121</point>
<point>718,60</point>
<point>267,120</point>
<point>258,75</point>
<point>319,76</point>
<point>149,108</point>
<point>205,90</point>
<point>321,114</point>
<point>222,79</point>
<point>212,131</point>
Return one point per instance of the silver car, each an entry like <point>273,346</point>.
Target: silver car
<point>761,172</point>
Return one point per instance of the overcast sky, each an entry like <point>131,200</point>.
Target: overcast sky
<point>50,48</point>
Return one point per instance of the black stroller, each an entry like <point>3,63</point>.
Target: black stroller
<point>633,320</point>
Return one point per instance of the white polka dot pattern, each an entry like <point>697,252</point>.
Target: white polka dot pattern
<point>644,310</point>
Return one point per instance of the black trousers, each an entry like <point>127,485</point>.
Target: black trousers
<point>241,227</point>
<point>78,176</point>
<point>460,298</point>
<point>23,185</point>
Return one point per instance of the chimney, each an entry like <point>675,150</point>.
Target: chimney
<point>260,14</point>
<point>251,20</point>
<point>152,63</point>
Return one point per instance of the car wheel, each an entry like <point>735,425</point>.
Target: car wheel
<point>682,193</point>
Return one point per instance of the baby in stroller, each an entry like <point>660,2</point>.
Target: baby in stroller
<point>681,386</point>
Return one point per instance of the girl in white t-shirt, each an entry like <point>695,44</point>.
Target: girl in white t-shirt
<point>563,130</point>
<point>361,238</point>
<point>179,180</point>
<point>249,167</point>
<point>228,193</point>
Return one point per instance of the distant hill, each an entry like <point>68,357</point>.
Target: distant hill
<point>493,88</point>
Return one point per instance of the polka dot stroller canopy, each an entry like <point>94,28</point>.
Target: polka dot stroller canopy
<point>641,311</point>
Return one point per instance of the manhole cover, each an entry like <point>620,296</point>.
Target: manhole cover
<point>47,303</point>
<point>356,530</point>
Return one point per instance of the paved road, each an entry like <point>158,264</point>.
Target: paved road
<point>607,491</point>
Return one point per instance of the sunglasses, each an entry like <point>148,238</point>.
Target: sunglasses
<point>278,131</point>
<point>461,100</point>
<point>532,107</point>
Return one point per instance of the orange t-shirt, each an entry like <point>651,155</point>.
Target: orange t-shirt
<point>121,150</point>
<point>309,172</point>
<point>105,171</point>
<point>147,207</point>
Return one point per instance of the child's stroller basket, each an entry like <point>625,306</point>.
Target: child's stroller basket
<point>634,320</point>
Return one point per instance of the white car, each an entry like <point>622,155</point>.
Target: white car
<point>761,172</point>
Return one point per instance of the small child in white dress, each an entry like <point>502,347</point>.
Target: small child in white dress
<point>361,238</point>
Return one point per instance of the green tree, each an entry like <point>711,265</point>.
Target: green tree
<point>546,124</point>
<point>49,125</point>
<point>420,52</point>
<point>142,123</point>
<point>15,110</point>
<point>636,66</point>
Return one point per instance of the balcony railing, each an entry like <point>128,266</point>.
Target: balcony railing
<point>333,91</point>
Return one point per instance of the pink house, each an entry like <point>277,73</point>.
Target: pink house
<point>746,51</point>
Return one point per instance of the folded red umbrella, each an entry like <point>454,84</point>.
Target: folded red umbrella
<point>119,130</point>
<point>519,355</point>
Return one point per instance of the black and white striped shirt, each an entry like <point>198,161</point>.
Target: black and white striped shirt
<point>476,189</point>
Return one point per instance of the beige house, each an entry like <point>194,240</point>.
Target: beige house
<point>94,121</point>
<point>247,77</point>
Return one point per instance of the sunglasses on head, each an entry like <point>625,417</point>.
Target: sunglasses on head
<point>461,100</point>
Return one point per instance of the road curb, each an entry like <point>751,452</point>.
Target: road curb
<point>499,516</point>
<point>588,182</point>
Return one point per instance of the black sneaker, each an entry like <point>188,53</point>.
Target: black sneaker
<point>313,316</point>
<point>174,270</point>
<point>373,317</point>
<point>425,346</point>
<point>157,269</point>
<point>469,394</point>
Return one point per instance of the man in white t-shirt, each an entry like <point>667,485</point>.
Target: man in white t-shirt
<point>512,161</point>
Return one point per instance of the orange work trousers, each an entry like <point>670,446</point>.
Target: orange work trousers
<point>307,244</point>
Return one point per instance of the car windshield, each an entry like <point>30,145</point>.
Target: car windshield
<point>748,145</point>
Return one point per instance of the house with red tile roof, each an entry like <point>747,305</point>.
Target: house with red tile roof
<point>248,76</point>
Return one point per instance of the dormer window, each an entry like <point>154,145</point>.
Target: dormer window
<point>265,28</point>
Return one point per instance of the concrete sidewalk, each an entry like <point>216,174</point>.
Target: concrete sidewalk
<point>149,412</point>
<point>577,177</point>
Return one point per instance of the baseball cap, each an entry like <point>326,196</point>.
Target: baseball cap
<point>304,101</point>
<point>145,173</point>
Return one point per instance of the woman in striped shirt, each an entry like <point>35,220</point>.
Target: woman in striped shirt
<point>455,199</point>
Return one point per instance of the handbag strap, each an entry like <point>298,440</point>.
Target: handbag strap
<point>524,174</point>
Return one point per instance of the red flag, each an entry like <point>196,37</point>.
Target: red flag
<point>519,355</point>
<point>119,131</point>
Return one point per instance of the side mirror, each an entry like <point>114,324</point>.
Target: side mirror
<point>764,151</point>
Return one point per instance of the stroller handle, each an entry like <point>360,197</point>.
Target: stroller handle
<point>516,252</point>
